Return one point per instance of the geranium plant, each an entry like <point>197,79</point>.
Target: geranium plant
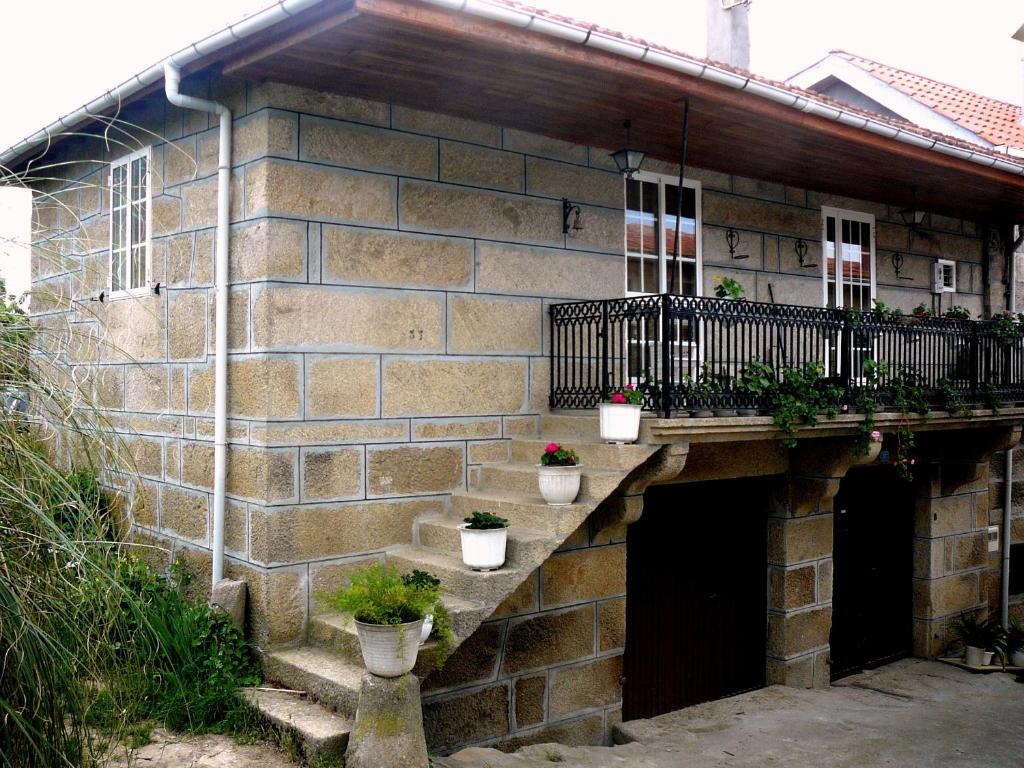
<point>921,311</point>
<point>557,456</point>
<point>628,395</point>
<point>956,312</point>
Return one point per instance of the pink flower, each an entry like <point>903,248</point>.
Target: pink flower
<point>912,462</point>
<point>876,436</point>
<point>846,409</point>
<point>629,386</point>
<point>552,448</point>
<point>618,397</point>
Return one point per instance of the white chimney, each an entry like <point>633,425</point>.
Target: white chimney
<point>729,32</point>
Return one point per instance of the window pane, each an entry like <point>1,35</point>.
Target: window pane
<point>138,224</point>
<point>652,281</point>
<point>688,223</point>
<point>138,267</point>
<point>634,280</point>
<point>139,179</point>
<point>830,246</point>
<point>117,270</point>
<point>117,229</point>
<point>119,187</point>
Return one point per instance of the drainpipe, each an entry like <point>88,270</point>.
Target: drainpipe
<point>172,80</point>
<point>1004,598</point>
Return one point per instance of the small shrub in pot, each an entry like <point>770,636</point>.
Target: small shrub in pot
<point>484,538</point>
<point>980,638</point>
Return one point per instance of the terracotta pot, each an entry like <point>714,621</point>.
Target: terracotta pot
<point>559,485</point>
<point>389,651</point>
<point>620,422</point>
<point>483,549</point>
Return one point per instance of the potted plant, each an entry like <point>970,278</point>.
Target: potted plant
<point>979,639</point>
<point>426,580</point>
<point>620,415</point>
<point>956,312</point>
<point>698,391</point>
<point>1014,644</point>
<point>388,611</point>
<point>484,537</point>
<point>727,288</point>
<point>756,382</point>
<point>558,475</point>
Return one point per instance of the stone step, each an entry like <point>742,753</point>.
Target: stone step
<point>320,734</point>
<point>595,485</point>
<point>326,676</point>
<point>526,548</point>
<point>488,587</point>
<point>596,455</point>
<point>569,426</point>
<point>521,510</point>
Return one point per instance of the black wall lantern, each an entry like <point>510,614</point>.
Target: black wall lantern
<point>628,160</point>
<point>912,216</point>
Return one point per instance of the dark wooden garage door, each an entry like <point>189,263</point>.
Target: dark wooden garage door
<point>696,594</point>
<point>873,569</point>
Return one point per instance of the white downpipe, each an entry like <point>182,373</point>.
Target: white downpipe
<point>172,80</point>
<point>1004,574</point>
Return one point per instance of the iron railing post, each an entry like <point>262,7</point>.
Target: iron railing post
<point>845,352</point>
<point>666,359</point>
<point>605,373</point>
<point>975,358</point>
<point>551,356</point>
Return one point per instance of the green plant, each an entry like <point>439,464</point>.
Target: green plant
<point>921,311</point>
<point>952,402</point>
<point>985,634</point>
<point>1006,327</point>
<point>700,387</point>
<point>956,312</point>
<point>803,394</point>
<point>757,379</point>
<point>420,579</point>
<point>378,594</point>
<point>556,455</point>
<point>629,395</point>
<point>1014,639</point>
<point>874,372</point>
<point>991,398</point>
<point>885,312</point>
<point>727,288</point>
<point>484,521</point>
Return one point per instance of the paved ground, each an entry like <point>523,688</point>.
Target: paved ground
<point>912,714</point>
<point>171,750</point>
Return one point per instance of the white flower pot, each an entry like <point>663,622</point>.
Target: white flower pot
<point>559,485</point>
<point>974,657</point>
<point>428,627</point>
<point>389,651</point>
<point>620,422</point>
<point>987,658</point>
<point>1017,659</point>
<point>483,549</point>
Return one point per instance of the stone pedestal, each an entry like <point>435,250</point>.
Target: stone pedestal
<point>388,732</point>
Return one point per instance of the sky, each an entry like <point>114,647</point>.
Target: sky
<point>88,47</point>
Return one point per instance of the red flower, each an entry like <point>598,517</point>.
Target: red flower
<point>629,386</point>
<point>618,397</point>
<point>552,448</point>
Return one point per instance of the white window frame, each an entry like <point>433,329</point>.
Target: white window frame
<point>838,214</point>
<point>662,179</point>
<point>942,263</point>
<point>126,161</point>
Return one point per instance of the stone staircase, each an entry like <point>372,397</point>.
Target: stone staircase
<point>329,667</point>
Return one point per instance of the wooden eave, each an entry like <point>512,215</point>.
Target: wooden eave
<point>431,58</point>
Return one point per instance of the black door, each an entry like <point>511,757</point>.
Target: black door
<point>873,570</point>
<point>696,596</point>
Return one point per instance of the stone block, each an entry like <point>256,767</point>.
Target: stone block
<point>760,216</point>
<point>474,662</point>
<point>489,451</point>
<point>529,700</point>
<point>796,633</point>
<point>971,550</point>
<point>187,313</point>
<point>145,388</point>
<point>522,600</point>
<point>612,625</point>
<point>230,596</point>
<point>259,387</point>
<point>330,577</point>
<point>543,146</point>
<point>547,178</point>
<point>486,325</point>
<point>576,732</point>
<point>467,717</point>
<point>477,166</point>
<point>310,433</point>
<point>451,210</point>
<point>937,598</point>
<point>455,429</point>
<point>236,527</point>
<point>791,588</point>
<point>388,731</point>
<point>765,190</point>
<point>145,504</point>
<point>583,575</point>
<point>825,571</point>
<point>368,148</point>
<point>146,455</point>
<point>180,161</point>
<point>453,387</point>
<point>405,470</point>
<point>944,516</point>
<point>185,513</point>
<point>519,426</point>
<point>594,684</point>
<point>177,254</point>
<point>268,249</point>
<point>293,98</point>
<point>296,534</point>
<point>796,673</point>
<point>267,132</point>
<point>238,320</point>
<point>354,256</point>
<point>445,126</point>
<point>341,386</point>
<point>792,541</point>
<point>284,188</point>
<point>172,460</point>
<point>165,215</point>
<point>256,474</point>
<point>135,330</point>
<point>550,638</point>
<point>331,474</point>
<point>551,272</point>
<point>603,231</point>
<point>327,319</point>
<point>199,202</point>
<point>277,603</point>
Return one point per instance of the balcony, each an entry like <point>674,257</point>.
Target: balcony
<point>700,355</point>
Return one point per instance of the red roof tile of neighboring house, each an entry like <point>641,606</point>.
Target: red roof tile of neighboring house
<point>994,120</point>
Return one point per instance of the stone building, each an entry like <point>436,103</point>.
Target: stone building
<point>398,239</point>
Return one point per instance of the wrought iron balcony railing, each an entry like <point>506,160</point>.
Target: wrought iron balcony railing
<point>689,354</point>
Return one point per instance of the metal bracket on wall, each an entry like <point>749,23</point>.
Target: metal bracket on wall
<point>732,239</point>
<point>801,253</point>
<point>897,265</point>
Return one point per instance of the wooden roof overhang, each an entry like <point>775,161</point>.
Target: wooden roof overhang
<point>432,58</point>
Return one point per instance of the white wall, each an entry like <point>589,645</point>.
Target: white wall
<point>15,238</point>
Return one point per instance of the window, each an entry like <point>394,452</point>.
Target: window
<point>945,276</point>
<point>651,205</point>
<point>848,239</point>
<point>129,222</point>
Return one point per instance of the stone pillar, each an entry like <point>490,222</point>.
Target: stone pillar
<point>388,731</point>
<point>800,561</point>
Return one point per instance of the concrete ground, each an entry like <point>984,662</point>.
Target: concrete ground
<point>172,750</point>
<point>911,714</point>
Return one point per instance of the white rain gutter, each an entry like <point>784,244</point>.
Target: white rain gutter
<point>588,36</point>
<point>172,86</point>
<point>101,106</point>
